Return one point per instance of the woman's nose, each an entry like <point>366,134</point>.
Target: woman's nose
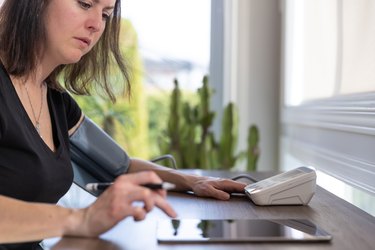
<point>95,22</point>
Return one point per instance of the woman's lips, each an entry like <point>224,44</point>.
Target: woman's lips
<point>84,41</point>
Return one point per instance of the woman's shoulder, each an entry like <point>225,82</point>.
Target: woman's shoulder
<point>4,76</point>
<point>66,102</point>
<point>60,94</point>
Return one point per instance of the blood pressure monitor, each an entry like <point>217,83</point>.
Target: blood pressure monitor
<point>294,187</point>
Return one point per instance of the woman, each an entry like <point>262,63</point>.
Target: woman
<point>74,40</point>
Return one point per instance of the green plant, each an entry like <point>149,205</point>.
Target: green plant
<point>157,109</point>
<point>252,148</point>
<point>189,138</point>
<point>105,113</point>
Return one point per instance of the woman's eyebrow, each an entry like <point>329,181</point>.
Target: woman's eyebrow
<point>105,8</point>
<point>109,8</point>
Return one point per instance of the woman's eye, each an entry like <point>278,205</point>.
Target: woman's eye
<point>84,5</point>
<point>106,16</point>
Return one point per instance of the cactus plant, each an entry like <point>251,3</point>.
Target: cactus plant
<point>253,148</point>
<point>189,138</point>
<point>229,137</point>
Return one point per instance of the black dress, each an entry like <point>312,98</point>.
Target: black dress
<point>29,169</point>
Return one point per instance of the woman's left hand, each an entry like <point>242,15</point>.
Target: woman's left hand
<point>203,186</point>
<point>216,187</point>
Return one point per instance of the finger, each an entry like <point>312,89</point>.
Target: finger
<point>140,178</point>
<point>238,186</point>
<point>147,196</point>
<point>138,213</point>
<point>211,188</point>
<point>161,192</point>
<point>144,195</point>
<point>165,206</point>
<point>151,199</point>
<point>230,185</point>
<point>217,193</point>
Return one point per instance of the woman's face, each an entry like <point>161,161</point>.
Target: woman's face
<point>73,27</point>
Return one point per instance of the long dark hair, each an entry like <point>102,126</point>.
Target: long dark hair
<point>23,35</point>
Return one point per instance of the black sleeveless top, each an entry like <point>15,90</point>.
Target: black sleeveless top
<point>29,170</point>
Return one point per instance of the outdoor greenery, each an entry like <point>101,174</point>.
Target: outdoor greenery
<point>158,103</point>
<point>189,138</point>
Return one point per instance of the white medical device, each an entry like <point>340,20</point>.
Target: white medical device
<point>294,187</point>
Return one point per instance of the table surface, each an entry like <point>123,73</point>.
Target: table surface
<point>350,227</point>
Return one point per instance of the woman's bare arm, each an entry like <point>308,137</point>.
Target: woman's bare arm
<point>202,186</point>
<point>25,221</point>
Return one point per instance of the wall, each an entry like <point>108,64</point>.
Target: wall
<point>250,69</point>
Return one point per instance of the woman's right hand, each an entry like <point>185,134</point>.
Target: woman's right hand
<point>126,197</point>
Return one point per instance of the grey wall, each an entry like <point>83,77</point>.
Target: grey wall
<point>251,70</point>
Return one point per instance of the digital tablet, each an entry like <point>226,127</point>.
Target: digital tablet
<point>246,230</point>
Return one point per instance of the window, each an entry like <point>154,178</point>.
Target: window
<point>330,48</point>
<point>174,40</point>
<point>328,83</point>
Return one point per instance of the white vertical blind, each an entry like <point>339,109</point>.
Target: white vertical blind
<point>358,48</point>
<point>329,83</point>
<point>330,48</point>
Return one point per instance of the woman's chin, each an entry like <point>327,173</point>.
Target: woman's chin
<point>74,57</point>
<point>73,60</point>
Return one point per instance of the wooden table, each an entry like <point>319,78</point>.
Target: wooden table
<point>350,227</point>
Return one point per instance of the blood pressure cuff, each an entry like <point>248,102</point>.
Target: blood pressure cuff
<point>96,157</point>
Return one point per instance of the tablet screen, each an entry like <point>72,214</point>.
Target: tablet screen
<point>246,230</point>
